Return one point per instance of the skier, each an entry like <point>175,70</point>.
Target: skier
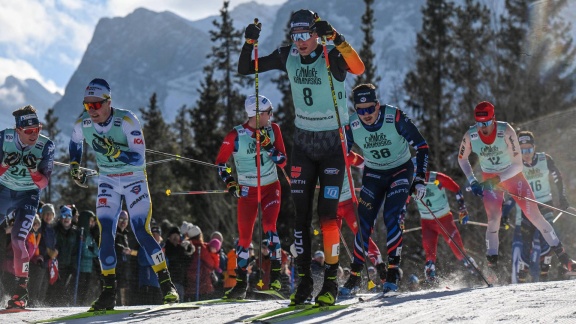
<point>438,207</point>
<point>317,154</point>
<point>497,147</point>
<point>117,139</point>
<point>384,134</point>
<point>27,161</point>
<point>240,143</point>
<point>539,169</point>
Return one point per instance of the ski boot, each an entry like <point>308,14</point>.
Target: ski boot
<point>304,290</point>
<point>430,273</point>
<point>492,271</point>
<point>168,289</point>
<point>275,272</point>
<point>107,298</point>
<point>20,297</point>
<point>329,292</point>
<point>239,290</point>
<point>471,266</point>
<point>393,277</point>
<point>523,271</point>
<point>352,285</point>
<point>568,265</point>
<point>382,270</point>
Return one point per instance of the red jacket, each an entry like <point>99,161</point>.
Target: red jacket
<point>207,265</point>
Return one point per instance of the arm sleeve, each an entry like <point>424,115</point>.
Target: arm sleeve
<point>408,130</point>
<point>42,176</point>
<point>447,182</point>
<point>76,141</point>
<point>226,149</point>
<point>347,60</point>
<point>513,150</point>
<point>278,153</point>
<point>136,147</point>
<point>349,138</point>
<point>463,154</point>
<point>557,177</point>
<point>274,61</point>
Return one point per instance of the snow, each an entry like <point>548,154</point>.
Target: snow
<point>548,302</point>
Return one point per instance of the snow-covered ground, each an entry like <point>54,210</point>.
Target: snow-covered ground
<point>549,302</point>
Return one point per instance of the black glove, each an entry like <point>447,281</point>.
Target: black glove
<point>11,159</point>
<point>418,187</point>
<point>233,187</point>
<point>323,28</point>
<point>265,141</point>
<point>30,162</point>
<point>252,32</point>
<point>78,175</point>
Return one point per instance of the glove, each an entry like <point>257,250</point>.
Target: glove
<point>78,175</point>
<point>463,215</point>
<point>489,184</point>
<point>323,28</point>
<point>477,189</point>
<point>418,188</point>
<point>30,162</point>
<point>105,146</point>
<point>265,141</point>
<point>11,159</point>
<point>564,204</point>
<point>252,32</point>
<point>233,188</point>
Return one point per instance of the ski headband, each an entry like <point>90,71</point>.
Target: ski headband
<point>364,95</point>
<point>526,139</point>
<point>27,120</point>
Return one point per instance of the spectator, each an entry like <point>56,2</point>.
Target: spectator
<point>67,247</point>
<point>89,252</point>
<point>230,277</point>
<point>48,252</point>
<point>223,263</point>
<point>178,257</point>
<point>36,260</point>
<point>200,285</point>
<point>124,254</point>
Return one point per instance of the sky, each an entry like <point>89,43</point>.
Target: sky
<point>45,39</point>
<point>546,302</point>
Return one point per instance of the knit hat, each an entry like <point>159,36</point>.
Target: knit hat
<point>173,230</point>
<point>194,231</point>
<point>318,254</point>
<point>65,212</point>
<point>250,105</point>
<point>301,21</point>
<point>184,227</point>
<point>47,208</point>
<point>215,243</point>
<point>217,235</point>
<point>98,88</point>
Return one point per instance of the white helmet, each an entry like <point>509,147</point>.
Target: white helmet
<point>250,105</point>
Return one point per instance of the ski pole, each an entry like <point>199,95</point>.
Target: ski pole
<point>198,192</point>
<point>371,283</point>
<point>178,157</point>
<point>456,245</point>
<point>160,161</point>
<point>345,245</point>
<point>555,219</point>
<point>198,269</point>
<point>531,200</point>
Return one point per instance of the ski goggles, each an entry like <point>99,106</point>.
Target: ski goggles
<point>30,131</point>
<point>94,105</point>
<point>301,36</point>
<point>484,124</point>
<point>527,150</point>
<point>366,111</point>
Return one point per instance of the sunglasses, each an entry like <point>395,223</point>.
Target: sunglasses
<point>301,36</point>
<point>123,219</point>
<point>366,111</point>
<point>269,112</point>
<point>94,105</point>
<point>484,124</point>
<point>527,150</point>
<point>30,131</point>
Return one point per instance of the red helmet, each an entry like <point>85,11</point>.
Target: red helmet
<point>484,111</point>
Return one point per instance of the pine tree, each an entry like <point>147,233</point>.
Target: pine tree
<point>430,96</point>
<point>370,74</point>
<point>227,42</point>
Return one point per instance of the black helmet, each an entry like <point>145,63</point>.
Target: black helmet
<point>301,21</point>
